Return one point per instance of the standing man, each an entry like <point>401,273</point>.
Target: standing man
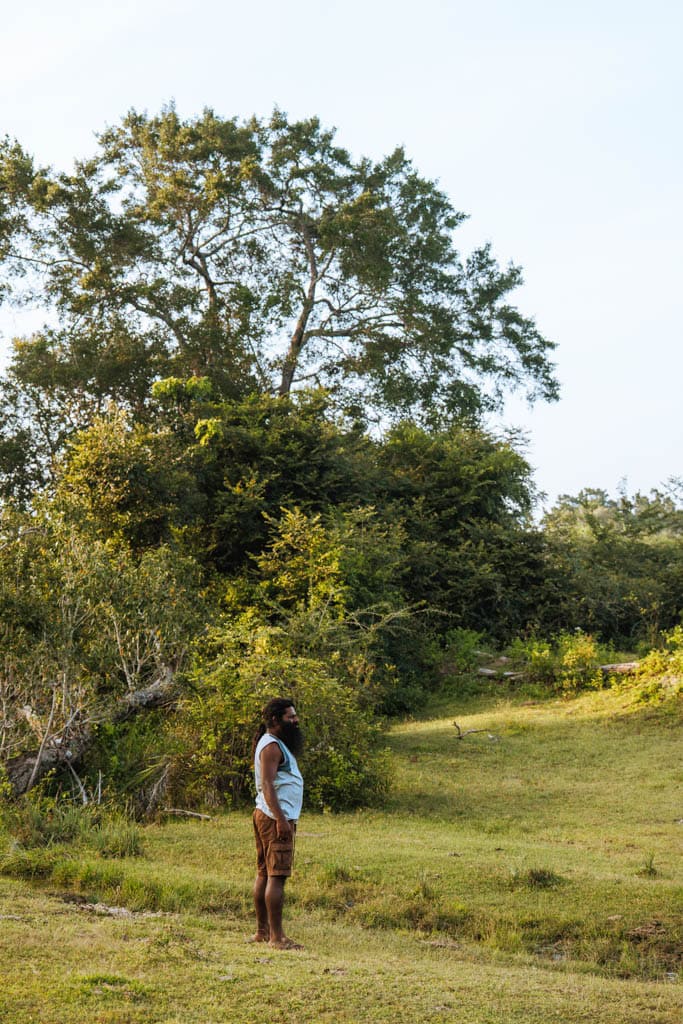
<point>279,796</point>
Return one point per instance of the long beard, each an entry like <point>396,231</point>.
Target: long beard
<point>292,737</point>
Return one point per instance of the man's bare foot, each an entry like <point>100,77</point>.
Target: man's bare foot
<point>259,937</point>
<point>284,943</point>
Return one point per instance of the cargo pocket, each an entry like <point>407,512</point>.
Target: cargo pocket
<point>280,856</point>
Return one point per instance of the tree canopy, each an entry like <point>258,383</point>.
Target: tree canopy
<point>263,255</point>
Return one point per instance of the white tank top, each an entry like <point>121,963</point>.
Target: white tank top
<point>289,783</point>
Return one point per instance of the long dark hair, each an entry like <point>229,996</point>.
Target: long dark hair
<point>274,709</point>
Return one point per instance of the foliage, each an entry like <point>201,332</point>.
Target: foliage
<point>464,498</point>
<point>262,254</point>
<point>243,666</point>
<point>254,457</point>
<point>38,820</point>
<point>615,566</point>
<point>85,624</point>
<point>123,480</point>
<point>659,678</point>
<point>666,659</point>
<point>128,759</point>
<point>569,661</point>
<point>462,649</point>
<point>333,591</point>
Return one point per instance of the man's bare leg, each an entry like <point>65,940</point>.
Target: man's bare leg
<point>275,898</point>
<point>262,930</point>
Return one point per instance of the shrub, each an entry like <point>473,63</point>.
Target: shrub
<point>579,660</point>
<point>463,647</point>
<point>665,660</point>
<point>535,658</point>
<point>570,661</point>
<point>246,665</point>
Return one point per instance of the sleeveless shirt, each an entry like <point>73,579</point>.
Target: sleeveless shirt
<point>288,782</point>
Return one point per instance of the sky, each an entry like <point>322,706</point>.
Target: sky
<point>554,126</point>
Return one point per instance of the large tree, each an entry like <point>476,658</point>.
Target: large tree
<point>262,255</point>
<point>614,566</point>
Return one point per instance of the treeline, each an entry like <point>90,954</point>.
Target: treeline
<point>247,457</point>
<point>181,571</point>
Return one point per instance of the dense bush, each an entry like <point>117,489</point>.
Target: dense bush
<point>242,667</point>
<point>614,567</point>
<point>569,661</point>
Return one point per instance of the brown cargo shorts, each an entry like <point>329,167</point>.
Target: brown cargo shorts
<point>273,856</point>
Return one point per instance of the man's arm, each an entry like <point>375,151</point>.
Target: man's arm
<point>271,758</point>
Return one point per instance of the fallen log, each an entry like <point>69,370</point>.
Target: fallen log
<point>620,668</point>
<point>492,673</point>
<point>26,770</point>
<point>68,747</point>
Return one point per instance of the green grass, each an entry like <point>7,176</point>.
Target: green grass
<point>533,877</point>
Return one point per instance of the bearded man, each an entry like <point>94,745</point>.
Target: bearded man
<point>279,796</point>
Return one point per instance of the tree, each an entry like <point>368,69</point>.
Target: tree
<point>264,256</point>
<point>615,565</point>
<point>464,498</point>
<point>17,177</point>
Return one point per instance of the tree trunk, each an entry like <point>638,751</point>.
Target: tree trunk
<point>299,335</point>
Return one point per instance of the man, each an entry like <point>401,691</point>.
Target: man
<point>279,796</point>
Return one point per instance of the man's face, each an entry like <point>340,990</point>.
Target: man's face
<point>290,715</point>
<point>289,731</point>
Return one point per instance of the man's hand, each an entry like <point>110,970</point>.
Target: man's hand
<point>283,829</point>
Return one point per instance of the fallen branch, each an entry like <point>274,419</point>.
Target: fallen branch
<point>468,732</point>
<point>180,813</point>
<point>492,673</point>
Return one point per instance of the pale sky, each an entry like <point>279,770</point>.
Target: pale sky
<point>556,127</point>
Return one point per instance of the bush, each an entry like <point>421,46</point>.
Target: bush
<point>580,659</point>
<point>665,660</point>
<point>570,661</point>
<point>246,666</point>
<point>463,648</point>
<point>660,672</point>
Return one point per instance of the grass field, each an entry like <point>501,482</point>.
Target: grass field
<point>534,876</point>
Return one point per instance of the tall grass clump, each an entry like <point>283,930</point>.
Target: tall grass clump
<point>38,821</point>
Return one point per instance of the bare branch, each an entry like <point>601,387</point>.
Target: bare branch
<point>46,735</point>
<point>469,732</point>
